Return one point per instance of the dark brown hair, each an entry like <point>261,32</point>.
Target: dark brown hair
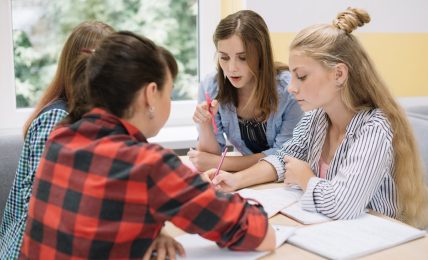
<point>122,65</point>
<point>86,35</point>
<point>252,30</point>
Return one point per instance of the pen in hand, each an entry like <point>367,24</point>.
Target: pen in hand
<point>223,154</point>
<point>208,99</point>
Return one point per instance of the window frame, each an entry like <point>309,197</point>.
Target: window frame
<point>13,118</point>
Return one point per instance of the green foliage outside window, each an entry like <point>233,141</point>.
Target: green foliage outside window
<point>170,23</point>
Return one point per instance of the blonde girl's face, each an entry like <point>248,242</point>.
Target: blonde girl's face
<point>232,58</point>
<point>312,84</point>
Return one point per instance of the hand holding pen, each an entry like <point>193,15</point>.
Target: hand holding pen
<point>209,102</point>
<point>205,112</point>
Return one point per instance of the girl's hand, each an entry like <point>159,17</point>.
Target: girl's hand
<point>297,172</point>
<point>164,247</point>
<point>223,181</point>
<point>203,113</point>
<point>202,160</point>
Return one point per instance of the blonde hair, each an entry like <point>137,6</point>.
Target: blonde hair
<point>86,35</point>
<point>253,31</point>
<point>364,89</point>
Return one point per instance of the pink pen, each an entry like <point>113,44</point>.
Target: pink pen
<point>223,154</point>
<point>208,99</point>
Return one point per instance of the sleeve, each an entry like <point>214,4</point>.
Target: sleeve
<point>209,85</point>
<point>182,197</point>
<point>37,136</point>
<point>296,147</point>
<point>290,117</point>
<point>359,176</point>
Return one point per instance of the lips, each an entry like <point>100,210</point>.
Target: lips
<point>235,79</point>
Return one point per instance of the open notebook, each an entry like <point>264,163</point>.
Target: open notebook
<point>197,247</point>
<point>348,239</point>
<point>296,212</point>
<point>272,200</point>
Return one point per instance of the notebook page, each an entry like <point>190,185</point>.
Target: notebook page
<point>272,200</point>
<point>344,239</point>
<point>197,247</point>
<point>296,212</point>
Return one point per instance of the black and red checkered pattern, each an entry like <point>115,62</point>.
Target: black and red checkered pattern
<point>101,191</point>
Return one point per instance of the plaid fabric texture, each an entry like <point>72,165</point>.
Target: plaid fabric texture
<point>102,191</point>
<point>16,210</point>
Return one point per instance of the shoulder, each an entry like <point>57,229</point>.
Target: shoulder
<point>46,120</point>
<point>374,120</point>
<point>210,81</point>
<point>283,79</point>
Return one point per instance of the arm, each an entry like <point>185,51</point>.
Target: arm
<point>204,161</point>
<point>207,141</point>
<point>37,136</point>
<point>359,176</point>
<point>193,205</point>
<point>261,172</point>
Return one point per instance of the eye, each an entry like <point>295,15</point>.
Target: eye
<point>242,58</point>
<point>301,77</point>
<point>224,58</point>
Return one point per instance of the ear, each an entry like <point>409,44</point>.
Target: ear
<point>150,92</point>
<point>341,73</point>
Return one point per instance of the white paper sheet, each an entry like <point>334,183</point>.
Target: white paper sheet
<point>345,239</point>
<point>197,247</point>
<point>273,200</point>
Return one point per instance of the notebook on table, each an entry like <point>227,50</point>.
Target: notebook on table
<point>349,239</point>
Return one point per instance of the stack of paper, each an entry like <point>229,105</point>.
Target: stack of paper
<point>272,200</point>
<point>344,239</point>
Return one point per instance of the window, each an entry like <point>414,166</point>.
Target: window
<point>35,31</point>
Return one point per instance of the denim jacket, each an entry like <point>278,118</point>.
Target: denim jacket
<point>280,124</point>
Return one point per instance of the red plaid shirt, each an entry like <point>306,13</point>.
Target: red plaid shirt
<point>102,191</point>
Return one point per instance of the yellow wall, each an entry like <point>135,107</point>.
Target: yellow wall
<point>400,58</point>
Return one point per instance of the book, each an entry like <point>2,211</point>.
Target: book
<point>272,200</point>
<point>296,212</point>
<point>346,239</point>
<point>197,247</point>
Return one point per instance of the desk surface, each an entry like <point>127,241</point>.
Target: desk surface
<point>416,249</point>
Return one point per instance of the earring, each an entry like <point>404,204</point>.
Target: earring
<point>151,112</point>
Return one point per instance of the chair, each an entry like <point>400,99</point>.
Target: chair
<point>418,118</point>
<point>10,150</point>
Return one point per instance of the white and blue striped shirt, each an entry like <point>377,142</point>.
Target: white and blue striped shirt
<point>360,173</point>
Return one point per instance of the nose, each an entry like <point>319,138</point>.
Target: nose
<point>292,89</point>
<point>232,65</point>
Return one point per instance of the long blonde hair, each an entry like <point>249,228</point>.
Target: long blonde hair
<point>86,35</point>
<point>331,44</point>
<point>253,31</point>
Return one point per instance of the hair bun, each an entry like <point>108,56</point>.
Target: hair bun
<point>350,19</point>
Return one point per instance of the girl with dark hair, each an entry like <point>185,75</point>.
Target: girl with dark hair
<point>50,110</point>
<point>102,191</point>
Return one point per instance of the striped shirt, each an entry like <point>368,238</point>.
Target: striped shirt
<point>360,173</point>
<point>16,210</point>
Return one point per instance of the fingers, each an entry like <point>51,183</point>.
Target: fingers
<point>202,114</point>
<point>214,106</point>
<point>210,173</point>
<point>179,248</point>
<point>192,153</point>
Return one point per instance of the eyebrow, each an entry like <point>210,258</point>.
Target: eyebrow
<point>239,53</point>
